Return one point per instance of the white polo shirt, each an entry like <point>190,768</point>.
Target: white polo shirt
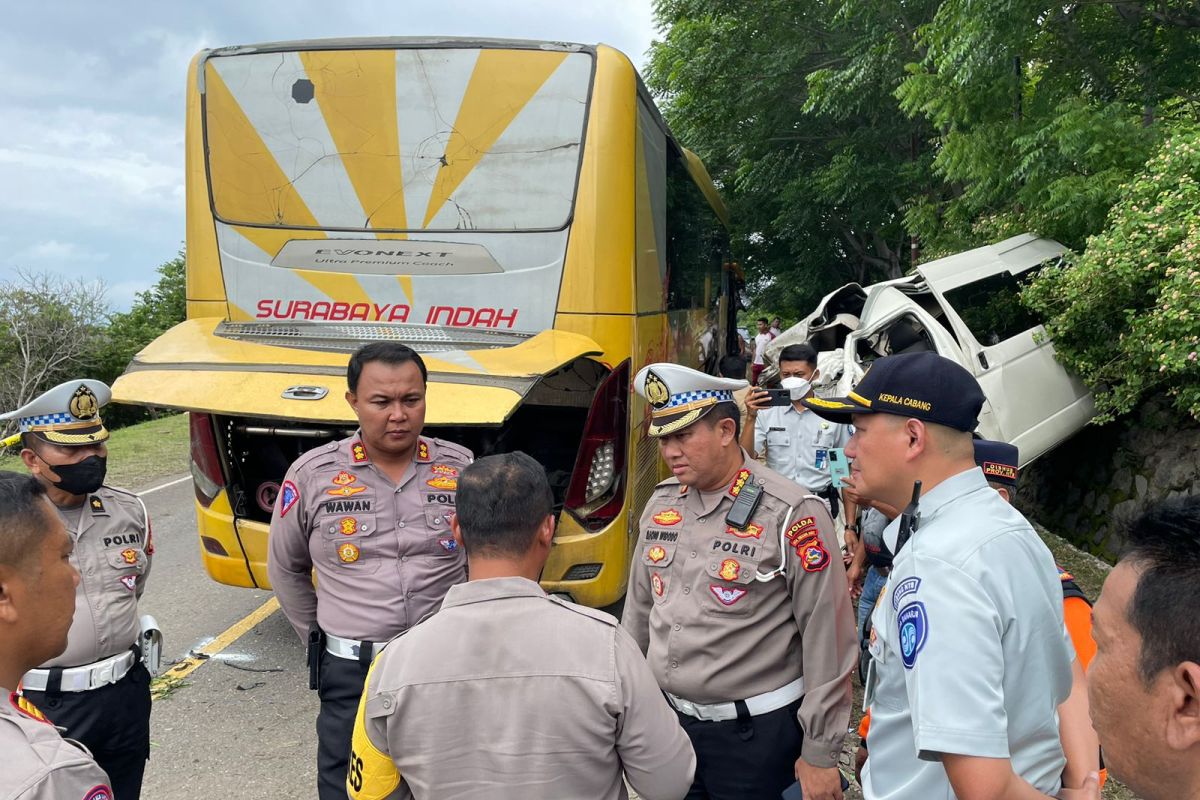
<point>798,444</point>
<point>970,653</point>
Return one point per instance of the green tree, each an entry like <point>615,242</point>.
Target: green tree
<point>817,189</point>
<point>1126,314</point>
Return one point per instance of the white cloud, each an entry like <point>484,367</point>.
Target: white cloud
<point>56,252</point>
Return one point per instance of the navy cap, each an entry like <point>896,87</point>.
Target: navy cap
<point>998,460</point>
<point>923,386</point>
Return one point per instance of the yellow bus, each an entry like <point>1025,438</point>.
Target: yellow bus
<point>516,211</point>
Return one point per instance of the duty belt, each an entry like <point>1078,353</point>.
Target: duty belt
<point>350,649</point>
<point>81,679</point>
<point>757,705</point>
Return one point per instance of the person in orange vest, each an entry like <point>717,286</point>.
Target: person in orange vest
<point>998,461</point>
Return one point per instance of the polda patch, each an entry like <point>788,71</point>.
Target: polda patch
<point>814,557</point>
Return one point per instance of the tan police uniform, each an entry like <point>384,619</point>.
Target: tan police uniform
<point>98,689</point>
<point>384,557</point>
<point>509,693</point>
<point>39,764</point>
<point>750,630</point>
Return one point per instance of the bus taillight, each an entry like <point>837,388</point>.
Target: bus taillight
<point>597,489</point>
<point>206,461</point>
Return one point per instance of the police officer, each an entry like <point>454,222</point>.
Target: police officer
<point>969,655</point>
<point>38,579</point>
<point>98,689</point>
<point>371,515</point>
<point>738,602</point>
<point>559,698</point>
<point>797,442</point>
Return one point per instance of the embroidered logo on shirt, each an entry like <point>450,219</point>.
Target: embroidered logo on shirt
<point>914,630</point>
<point>130,555</point>
<point>100,792</point>
<point>344,478</point>
<point>444,483</point>
<point>814,557</point>
<point>288,496</point>
<point>802,526</point>
<point>448,544</point>
<point>444,469</point>
<point>130,581</point>
<point>656,554</point>
<point>995,470</point>
<point>348,525</point>
<point>347,553</point>
<point>739,481</point>
<point>903,589</point>
<point>729,569</point>
<point>345,491</point>
<point>727,595</point>
<point>658,583</point>
<point>358,453</point>
<point>668,517</point>
<point>751,531</point>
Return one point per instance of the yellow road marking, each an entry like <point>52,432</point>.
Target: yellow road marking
<point>180,670</point>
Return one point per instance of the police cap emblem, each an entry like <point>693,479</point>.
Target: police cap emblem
<point>656,391</point>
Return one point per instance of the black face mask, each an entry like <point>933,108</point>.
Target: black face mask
<point>83,477</point>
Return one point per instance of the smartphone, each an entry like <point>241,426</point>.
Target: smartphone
<point>779,397</point>
<point>794,792</point>
<point>839,467</point>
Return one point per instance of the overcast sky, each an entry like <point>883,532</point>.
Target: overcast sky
<point>92,108</point>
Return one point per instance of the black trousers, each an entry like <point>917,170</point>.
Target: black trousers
<point>751,760</point>
<point>113,722</point>
<point>341,686</point>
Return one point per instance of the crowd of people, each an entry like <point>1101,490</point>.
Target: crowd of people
<point>444,670</point>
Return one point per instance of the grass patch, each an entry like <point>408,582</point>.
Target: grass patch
<point>138,455</point>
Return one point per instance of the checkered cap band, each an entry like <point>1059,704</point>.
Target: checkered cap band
<point>30,423</point>
<point>687,398</point>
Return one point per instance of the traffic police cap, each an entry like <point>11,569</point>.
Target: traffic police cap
<point>998,460</point>
<point>678,396</point>
<point>68,414</point>
<point>922,386</point>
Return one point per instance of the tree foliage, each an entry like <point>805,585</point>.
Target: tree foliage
<point>1125,315</point>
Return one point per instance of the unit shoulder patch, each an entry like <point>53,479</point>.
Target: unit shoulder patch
<point>289,495</point>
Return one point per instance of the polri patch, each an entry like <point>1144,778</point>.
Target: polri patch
<point>129,555</point>
<point>727,595</point>
<point>288,496</point>
<point>729,569</point>
<point>814,557</point>
<point>347,526</point>
<point>129,581</point>
<point>913,625</point>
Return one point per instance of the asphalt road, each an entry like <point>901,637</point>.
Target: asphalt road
<point>241,724</point>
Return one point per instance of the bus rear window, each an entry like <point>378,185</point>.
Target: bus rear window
<point>396,139</point>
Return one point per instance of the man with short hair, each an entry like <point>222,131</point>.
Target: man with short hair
<point>970,658</point>
<point>37,600</point>
<point>1144,682</point>
<point>761,340</point>
<point>796,441</point>
<point>738,603</point>
<point>508,692</point>
<point>776,327</point>
<point>97,689</point>
<point>371,515</point>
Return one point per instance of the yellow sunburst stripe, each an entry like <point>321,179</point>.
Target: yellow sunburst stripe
<point>337,285</point>
<point>502,83</point>
<point>247,183</point>
<point>356,92</point>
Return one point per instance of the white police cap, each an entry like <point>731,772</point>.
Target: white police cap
<point>68,414</point>
<point>679,396</point>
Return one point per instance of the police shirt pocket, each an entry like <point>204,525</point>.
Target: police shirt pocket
<point>656,555</point>
<point>730,583</point>
<point>778,439</point>
<point>440,544</point>
<point>348,541</point>
<point>131,560</point>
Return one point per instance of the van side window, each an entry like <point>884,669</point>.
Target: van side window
<point>696,241</point>
<point>991,307</point>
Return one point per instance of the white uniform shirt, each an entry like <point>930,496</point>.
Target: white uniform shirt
<point>970,652</point>
<point>761,340</point>
<point>798,444</point>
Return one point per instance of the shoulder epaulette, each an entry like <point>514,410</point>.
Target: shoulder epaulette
<point>593,613</point>
<point>453,449</point>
